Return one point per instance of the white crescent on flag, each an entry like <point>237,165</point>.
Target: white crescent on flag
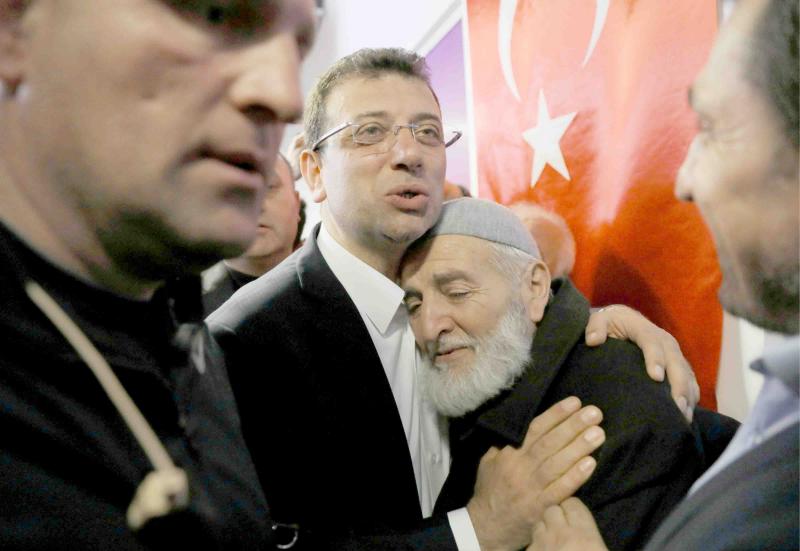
<point>600,13</point>
<point>505,27</point>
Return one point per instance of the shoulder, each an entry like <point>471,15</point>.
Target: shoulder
<point>613,377</point>
<point>260,300</point>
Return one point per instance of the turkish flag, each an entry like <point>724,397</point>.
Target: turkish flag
<point>581,106</point>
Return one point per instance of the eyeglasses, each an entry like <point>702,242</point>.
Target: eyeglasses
<point>372,133</point>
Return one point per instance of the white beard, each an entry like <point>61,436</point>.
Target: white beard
<point>500,358</point>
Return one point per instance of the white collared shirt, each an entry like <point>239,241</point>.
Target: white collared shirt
<point>380,303</point>
<point>776,408</point>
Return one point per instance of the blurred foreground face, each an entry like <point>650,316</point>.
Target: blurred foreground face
<point>473,324</point>
<point>741,171</point>
<point>277,226</point>
<point>158,120</point>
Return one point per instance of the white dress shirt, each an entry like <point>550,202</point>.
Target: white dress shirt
<point>379,301</point>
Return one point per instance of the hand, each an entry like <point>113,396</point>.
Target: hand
<point>515,486</point>
<point>567,527</point>
<point>661,350</point>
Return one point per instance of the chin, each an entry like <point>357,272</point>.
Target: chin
<point>407,233</point>
<point>770,302</point>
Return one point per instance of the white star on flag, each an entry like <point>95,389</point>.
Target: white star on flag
<point>544,138</point>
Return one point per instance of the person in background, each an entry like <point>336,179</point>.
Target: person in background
<point>135,145</point>
<point>742,172</point>
<point>322,359</point>
<point>279,229</point>
<point>454,191</point>
<point>551,233</point>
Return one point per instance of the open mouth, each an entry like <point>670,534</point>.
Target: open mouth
<point>408,198</point>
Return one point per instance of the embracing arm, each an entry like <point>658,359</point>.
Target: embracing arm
<point>662,353</point>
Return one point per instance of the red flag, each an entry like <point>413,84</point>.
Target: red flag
<point>581,106</point>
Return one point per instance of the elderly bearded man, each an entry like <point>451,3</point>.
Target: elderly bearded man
<point>478,294</point>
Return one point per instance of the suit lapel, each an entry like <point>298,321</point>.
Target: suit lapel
<point>359,375</point>
<point>711,496</point>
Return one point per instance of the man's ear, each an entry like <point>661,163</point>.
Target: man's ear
<point>311,168</point>
<point>12,50</point>
<point>536,289</point>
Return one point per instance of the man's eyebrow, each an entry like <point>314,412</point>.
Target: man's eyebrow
<point>451,276</point>
<point>411,293</point>
<point>417,118</point>
<point>421,117</point>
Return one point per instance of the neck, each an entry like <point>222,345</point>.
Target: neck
<point>43,217</point>
<point>384,257</point>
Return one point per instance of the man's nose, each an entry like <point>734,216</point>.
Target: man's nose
<point>406,153</point>
<point>435,322</point>
<point>267,84</point>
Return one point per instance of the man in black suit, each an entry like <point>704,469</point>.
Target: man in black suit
<point>319,350</point>
<point>742,171</point>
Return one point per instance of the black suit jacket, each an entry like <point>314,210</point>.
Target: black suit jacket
<point>318,413</point>
<point>749,505</point>
<point>651,455</point>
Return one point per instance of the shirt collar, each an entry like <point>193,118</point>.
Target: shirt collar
<point>782,362</point>
<point>373,293</point>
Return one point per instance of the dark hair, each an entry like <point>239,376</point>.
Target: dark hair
<point>773,65</point>
<point>301,223</point>
<point>365,63</point>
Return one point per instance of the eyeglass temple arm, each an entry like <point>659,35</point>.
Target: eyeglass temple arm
<point>329,133</point>
<point>456,135</point>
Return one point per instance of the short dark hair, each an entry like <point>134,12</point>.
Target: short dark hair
<point>773,64</point>
<point>365,63</point>
<point>301,223</point>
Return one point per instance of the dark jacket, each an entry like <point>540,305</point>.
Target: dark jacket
<point>219,284</point>
<point>651,455</point>
<point>752,502</point>
<point>69,466</point>
<point>318,413</point>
